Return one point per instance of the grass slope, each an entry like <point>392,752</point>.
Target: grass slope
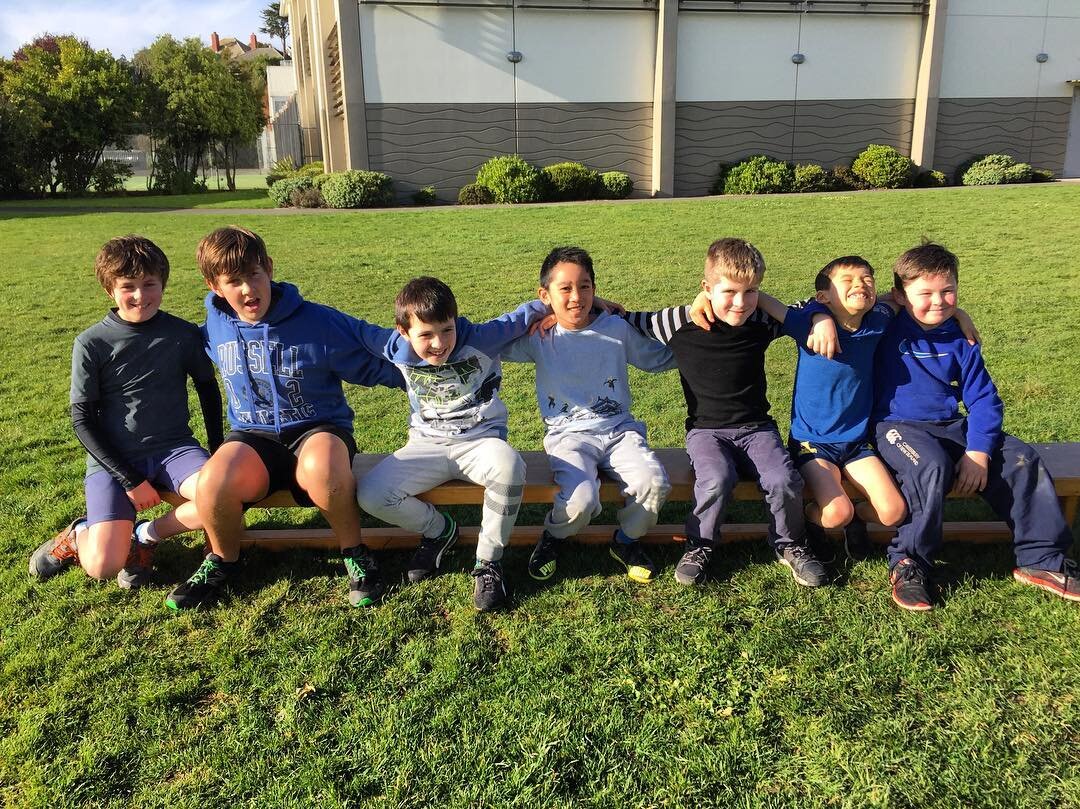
<point>594,691</point>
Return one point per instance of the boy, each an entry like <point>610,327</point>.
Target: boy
<point>729,429</point>
<point>129,409</point>
<point>282,361</point>
<point>583,391</point>
<point>457,430</point>
<point>925,370</point>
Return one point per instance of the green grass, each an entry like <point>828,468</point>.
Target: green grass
<point>593,691</point>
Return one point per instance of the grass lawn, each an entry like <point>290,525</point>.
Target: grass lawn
<point>593,691</point>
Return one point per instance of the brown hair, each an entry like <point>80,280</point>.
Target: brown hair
<point>234,252</point>
<point>926,259</point>
<point>736,259</point>
<point>130,257</point>
<point>429,299</point>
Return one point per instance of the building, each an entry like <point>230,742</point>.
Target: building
<point>666,90</point>
<point>233,48</point>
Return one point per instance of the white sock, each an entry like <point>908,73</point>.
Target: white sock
<point>146,534</point>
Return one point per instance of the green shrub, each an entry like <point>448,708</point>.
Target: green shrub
<point>475,194</point>
<point>996,169</point>
<point>759,175</point>
<point>570,181</point>
<point>281,168</point>
<point>318,180</point>
<point>511,179</point>
<point>281,192</point>
<point>108,176</point>
<point>424,196</point>
<point>358,189</point>
<point>307,198</point>
<point>931,179</point>
<point>883,167</point>
<point>1042,176</point>
<point>616,184</point>
<point>721,177</point>
<point>844,179</point>
<point>810,177</point>
<point>311,169</point>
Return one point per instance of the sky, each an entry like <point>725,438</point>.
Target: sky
<point>126,26</point>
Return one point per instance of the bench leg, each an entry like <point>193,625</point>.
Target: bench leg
<point>1069,507</point>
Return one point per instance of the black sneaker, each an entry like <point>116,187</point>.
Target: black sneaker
<point>365,580</point>
<point>489,590</point>
<point>139,568</point>
<point>856,540</point>
<point>543,558</point>
<point>693,567</point>
<point>819,543</point>
<point>805,568</point>
<point>425,562</point>
<point>53,555</point>
<point>639,567</point>
<point>910,586</point>
<point>204,586</point>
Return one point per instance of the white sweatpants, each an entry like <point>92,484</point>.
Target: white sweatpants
<point>389,490</point>
<point>575,460</point>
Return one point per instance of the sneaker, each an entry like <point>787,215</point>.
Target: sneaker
<point>53,555</point>
<point>910,586</point>
<point>805,568</point>
<point>139,568</point>
<point>204,586</point>
<point>819,543</point>
<point>489,590</point>
<point>425,562</point>
<point>542,560</point>
<point>365,580</point>
<point>856,540</point>
<point>1064,583</point>
<point>639,567</point>
<point>693,567</point>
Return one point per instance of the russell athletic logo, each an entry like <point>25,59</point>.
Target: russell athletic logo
<point>908,451</point>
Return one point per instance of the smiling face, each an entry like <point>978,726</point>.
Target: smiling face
<point>930,299</point>
<point>247,294</point>
<point>431,342</point>
<point>137,299</point>
<point>851,291</point>
<point>569,293</point>
<point>733,301</point>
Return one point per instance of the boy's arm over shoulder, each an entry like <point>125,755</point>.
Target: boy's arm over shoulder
<point>521,349</point>
<point>201,370</point>
<point>980,396</point>
<point>358,351</point>
<point>645,352</point>
<point>492,336</point>
<point>661,325</point>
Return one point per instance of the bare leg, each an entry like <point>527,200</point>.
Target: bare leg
<point>184,517</point>
<point>884,504</point>
<point>830,507</point>
<point>104,548</point>
<point>324,472</point>
<point>234,475</point>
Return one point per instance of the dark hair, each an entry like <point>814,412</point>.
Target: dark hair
<point>821,283</point>
<point>736,259</point>
<point>234,252</point>
<point>130,257</point>
<point>571,255</point>
<point>426,298</point>
<point>926,259</point>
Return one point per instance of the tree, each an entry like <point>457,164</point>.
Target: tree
<point>84,100</point>
<point>274,25</point>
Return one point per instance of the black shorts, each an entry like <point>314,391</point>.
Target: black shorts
<point>278,452</point>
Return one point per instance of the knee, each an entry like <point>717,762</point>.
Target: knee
<point>583,504</point>
<point>100,566</point>
<point>892,513</point>
<point>837,513</point>
<point>709,490</point>
<point>374,497</point>
<point>509,471</point>
<point>783,483</point>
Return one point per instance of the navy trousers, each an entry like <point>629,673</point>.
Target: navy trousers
<point>924,454</point>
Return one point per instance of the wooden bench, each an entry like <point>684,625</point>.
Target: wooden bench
<point>1062,459</point>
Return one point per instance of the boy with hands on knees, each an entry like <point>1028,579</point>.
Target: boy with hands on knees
<point>129,409</point>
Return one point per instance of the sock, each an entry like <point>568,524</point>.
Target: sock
<point>448,528</point>
<point>484,562</point>
<point>622,538</point>
<point>145,533</point>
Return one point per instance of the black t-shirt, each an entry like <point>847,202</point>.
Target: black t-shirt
<point>722,370</point>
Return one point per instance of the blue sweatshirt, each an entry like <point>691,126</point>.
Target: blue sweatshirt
<point>286,371</point>
<point>924,375</point>
<point>459,400</point>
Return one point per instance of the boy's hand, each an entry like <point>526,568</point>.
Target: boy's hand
<point>967,326</point>
<point>971,473</point>
<point>611,307</point>
<point>544,326</point>
<point>823,338</point>
<point>701,311</point>
<point>144,496</point>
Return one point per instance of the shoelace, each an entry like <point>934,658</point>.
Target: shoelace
<point>911,572</point>
<point>698,554</point>
<point>355,568</point>
<point>201,575</point>
<point>487,576</point>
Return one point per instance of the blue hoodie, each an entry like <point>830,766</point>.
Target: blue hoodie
<point>924,375</point>
<point>459,400</point>
<point>286,371</point>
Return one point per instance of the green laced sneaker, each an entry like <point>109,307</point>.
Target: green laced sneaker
<point>204,586</point>
<point>365,580</point>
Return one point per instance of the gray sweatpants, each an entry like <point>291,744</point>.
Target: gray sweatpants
<point>389,490</point>
<point>575,460</point>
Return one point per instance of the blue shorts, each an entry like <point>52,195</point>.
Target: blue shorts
<point>839,455</point>
<point>106,499</point>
